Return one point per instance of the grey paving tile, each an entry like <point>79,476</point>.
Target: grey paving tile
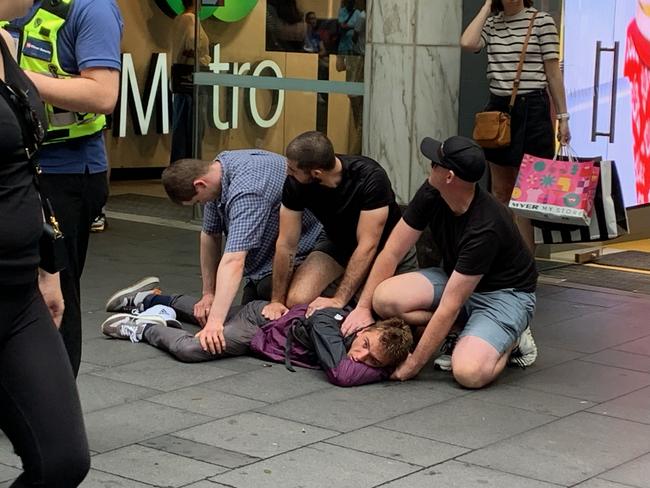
<point>634,473</point>
<point>199,451</point>
<point>244,364</point>
<point>206,484</point>
<point>198,399</point>
<point>165,373</point>
<point>567,451</point>
<point>587,381</point>
<point>312,466</point>
<point>466,422</point>
<point>620,359</point>
<point>97,393</point>
<point>633,406</point>
<point>544,290</point>
<point>532,400</point>
<point>255,434</point>
<point>592,333</point>
<point>589,297</point>
<point>99,479</point>
<point>639,346</point>
<point>157,468</point>
<point>85,368</point>
<point>126,424</point>
<point>7,473</point>
<point>398,446</point>
<point>345,409</point>
<point>272,384</point>
<point>113,352</point>
<point>548,313</point>
<point>599,483</point>
<point>453,474</point>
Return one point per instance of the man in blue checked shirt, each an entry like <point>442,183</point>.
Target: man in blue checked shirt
<point>242,191</point>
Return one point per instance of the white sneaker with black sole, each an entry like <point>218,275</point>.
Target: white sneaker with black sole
<point>525,352</point>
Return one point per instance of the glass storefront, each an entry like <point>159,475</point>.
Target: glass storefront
<point>264,71</point>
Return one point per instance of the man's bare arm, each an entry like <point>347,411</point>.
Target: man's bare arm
<point>369,230</point>
<point>95,90</point>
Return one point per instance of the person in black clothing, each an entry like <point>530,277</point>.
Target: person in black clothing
<point>40,411</point>
<point>486,284</point>
<point>353,199</point>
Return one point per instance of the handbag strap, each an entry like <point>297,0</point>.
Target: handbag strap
<point>29,153</point>
<point>520,66</point>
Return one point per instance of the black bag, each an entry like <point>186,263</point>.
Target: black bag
<point>54,255</point>
<point>609,218</point>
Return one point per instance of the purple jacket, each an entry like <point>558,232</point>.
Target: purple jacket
<point>313,343</point>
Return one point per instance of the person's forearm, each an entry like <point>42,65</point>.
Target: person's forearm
<point>78,94</point>
<point>384,267</point>
<point>434,334</point>
<point>283,263</point>
<point>210,256</point>
<point>355,272</point>
<point>556,86</point>
<point>471,38</point>
<point>229,276</point>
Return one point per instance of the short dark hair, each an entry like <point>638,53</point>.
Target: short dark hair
<point>312,150</point>
<point>188,3</point>
<point>395,337</point>
<point>497,5</point>
<point>311,12</point>
<point>178,179</point>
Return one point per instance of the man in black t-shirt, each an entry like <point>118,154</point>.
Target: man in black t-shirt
<point>486,284</point>
<point>353,199</point>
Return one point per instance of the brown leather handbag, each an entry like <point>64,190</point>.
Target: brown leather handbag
<point>492,129</point>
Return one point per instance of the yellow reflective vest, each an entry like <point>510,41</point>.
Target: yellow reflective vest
<point>38,52</point>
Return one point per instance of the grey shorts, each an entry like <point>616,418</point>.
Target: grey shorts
<point>498,317</point>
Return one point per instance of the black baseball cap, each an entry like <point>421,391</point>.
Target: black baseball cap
<point>459,154</point>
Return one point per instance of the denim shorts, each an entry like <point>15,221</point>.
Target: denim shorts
<point>498,317</point>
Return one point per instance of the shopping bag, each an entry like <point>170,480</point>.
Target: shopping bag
<point>555,190</point>
<point>609,219</point>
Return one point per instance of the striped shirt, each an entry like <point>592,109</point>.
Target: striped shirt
<point>248,209</point>
<point>504,37</point>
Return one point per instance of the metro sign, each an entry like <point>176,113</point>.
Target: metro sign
<point>231,11</point>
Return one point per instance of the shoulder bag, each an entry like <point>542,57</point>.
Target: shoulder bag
<point>492,129</point>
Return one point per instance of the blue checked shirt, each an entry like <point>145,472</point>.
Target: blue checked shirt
<point>248,210</point>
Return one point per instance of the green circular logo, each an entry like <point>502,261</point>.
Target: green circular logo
<point>231,11</point>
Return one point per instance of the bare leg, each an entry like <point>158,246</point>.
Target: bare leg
<point>312,277</point>
<point>503,181</point>
<point>475,363</point>
<point>409,296</point>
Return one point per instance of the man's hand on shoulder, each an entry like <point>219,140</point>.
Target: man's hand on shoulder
<point>359,318</point>
<point>274,310</point>
<point>211,338</point>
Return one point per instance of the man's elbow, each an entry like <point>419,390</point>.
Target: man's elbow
<point>105,103</point>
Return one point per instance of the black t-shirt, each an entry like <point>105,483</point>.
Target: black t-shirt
<point>21,222</point>
<point>364,186</point>
<point>482,241</point>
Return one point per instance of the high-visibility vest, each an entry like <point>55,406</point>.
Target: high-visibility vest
<point>38,52</point>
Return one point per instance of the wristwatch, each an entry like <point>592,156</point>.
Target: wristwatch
<point>563,116</point>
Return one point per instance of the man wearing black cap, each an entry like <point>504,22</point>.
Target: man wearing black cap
<point>486,283</point>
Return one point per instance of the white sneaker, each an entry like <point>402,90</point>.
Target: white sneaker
<point>128,326</point>
<point>131,297</point>
<point>525,352</point>
<point>443,362</point>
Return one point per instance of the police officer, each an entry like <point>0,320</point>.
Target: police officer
<point>71,51</point>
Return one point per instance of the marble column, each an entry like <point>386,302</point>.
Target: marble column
<point>412,75</point>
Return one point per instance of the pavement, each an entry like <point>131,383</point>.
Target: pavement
<point>579,417</point>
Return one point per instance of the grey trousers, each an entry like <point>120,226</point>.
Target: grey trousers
<point>242,322</point>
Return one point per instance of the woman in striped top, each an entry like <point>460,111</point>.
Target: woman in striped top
<point>500,27</point>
